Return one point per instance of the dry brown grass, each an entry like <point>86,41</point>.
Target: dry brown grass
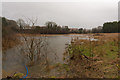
<point>9,42</point>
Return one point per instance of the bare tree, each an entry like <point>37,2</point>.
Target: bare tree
<point>33,46</point>
<point>21,23</point>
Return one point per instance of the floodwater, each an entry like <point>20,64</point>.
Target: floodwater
<point>13,61</point>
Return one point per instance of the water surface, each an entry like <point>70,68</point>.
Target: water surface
<point>13,61</point>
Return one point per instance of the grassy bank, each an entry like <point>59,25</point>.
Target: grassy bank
<point>93,59</point>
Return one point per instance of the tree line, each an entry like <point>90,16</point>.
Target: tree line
<point>49,28</point>
<point>9,27</point>
<point>111,27</point>
<point>108,27</point>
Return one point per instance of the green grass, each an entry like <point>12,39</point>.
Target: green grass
<point>108,49</point>
<point>78,49</point>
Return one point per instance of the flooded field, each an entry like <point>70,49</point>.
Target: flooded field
<point>13,61</point>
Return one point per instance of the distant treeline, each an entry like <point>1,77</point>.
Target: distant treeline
<point>50,28</point>
<point>43,31</point>
<point>108,27</point>
<point>9,27</point>
<point>111,27</point>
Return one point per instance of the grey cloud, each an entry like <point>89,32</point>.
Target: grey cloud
<point>73,14</point>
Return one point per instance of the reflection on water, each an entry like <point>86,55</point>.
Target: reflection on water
<point>14,61</point>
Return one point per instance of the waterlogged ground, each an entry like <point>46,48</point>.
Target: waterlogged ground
<point>13,61</point>
<point>101,51</point>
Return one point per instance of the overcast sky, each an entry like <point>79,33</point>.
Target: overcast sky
<point>85,13</point>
